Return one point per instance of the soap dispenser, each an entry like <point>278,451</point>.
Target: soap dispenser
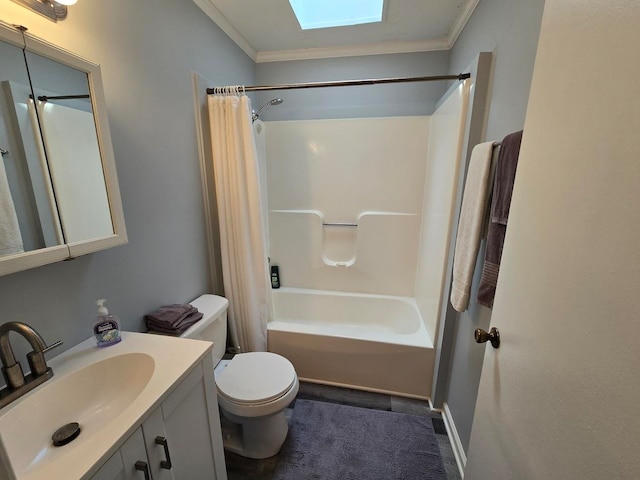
<point>107,327</point>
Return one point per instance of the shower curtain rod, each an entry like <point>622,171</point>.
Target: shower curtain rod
<point>348,83</point>
<point>44,98</point>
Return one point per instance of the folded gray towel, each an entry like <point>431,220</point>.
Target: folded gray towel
<point>500,205</point>
<point>172,319</point>
<point>169,314</point>
<point>177,329</point>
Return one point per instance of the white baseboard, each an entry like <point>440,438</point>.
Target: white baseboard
<point>454,438</point>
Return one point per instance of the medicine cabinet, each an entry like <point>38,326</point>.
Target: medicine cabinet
<point>59,194</point>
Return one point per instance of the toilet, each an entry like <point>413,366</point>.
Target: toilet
<point>253,388</point>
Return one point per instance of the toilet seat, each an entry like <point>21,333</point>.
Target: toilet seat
<point>257,383</point>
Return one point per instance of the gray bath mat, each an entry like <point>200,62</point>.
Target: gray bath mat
<point>338,442</point>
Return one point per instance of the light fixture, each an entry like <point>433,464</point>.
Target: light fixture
<point>53,10</point>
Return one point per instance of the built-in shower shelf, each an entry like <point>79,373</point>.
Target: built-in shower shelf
<point>343,244</point>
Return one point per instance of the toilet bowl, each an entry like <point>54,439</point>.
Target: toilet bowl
<point>253,388</point>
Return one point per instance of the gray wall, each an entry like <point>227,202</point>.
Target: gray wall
<point>147,50</point>
<point>509,29</point>
<point>353,102</point>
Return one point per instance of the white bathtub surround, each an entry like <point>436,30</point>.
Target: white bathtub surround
<point>242,238</point>
<point>446,138</point>
<point>260,138</point>
<point>371,342</point>
<point>367,172</point>
<point>366,303</point>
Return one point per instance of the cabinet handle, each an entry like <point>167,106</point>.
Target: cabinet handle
<point>166,464</point>
<point>143,467</point>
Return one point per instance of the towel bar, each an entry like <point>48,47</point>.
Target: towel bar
<point>339,224</point>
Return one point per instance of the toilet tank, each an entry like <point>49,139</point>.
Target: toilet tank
<point>213,326</point>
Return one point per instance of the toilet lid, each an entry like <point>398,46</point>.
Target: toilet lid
<point>256,377</point>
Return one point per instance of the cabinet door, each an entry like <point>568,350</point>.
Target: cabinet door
<point>128,463</point>
<point>180,440</point>
<point>160,449</point>
<point>134,458</point>
<point>113,469</point>
<point>192,423</point>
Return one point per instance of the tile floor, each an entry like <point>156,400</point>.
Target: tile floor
<point>240,468</point>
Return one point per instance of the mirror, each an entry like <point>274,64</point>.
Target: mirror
<point>70,141</point>
<point>59,196</point>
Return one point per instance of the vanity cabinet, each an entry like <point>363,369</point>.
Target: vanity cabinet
<point>122,464</point>
<point>180,439</point>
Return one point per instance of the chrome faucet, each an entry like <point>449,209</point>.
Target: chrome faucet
<point>17,383</point>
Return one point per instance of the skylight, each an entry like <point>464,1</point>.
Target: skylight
<point>336,13</point>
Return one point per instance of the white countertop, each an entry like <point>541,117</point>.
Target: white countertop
<point>173,357</point>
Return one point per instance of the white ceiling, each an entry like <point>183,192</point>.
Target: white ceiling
<point>267,30</point>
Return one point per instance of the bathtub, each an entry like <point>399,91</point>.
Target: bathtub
<point>369,342</point>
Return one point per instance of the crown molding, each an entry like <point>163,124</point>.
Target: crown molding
<point>461,21</point>
<point>353,51</point>
<point>214,14</point>
<point>381,48</point>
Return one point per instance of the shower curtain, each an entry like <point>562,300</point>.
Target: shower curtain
<point>242,240</point>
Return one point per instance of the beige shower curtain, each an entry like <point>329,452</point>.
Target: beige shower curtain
<point>242,240</point>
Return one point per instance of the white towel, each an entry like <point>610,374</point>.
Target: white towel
<point>10,237</point>
<point>471,223</point>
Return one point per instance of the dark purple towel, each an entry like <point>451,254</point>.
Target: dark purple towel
<point>500,205</point>
<point>172,319</point>
<point>170,313</point>
<point>178,329</point>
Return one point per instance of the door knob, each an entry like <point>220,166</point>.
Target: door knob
<point>493,336</point>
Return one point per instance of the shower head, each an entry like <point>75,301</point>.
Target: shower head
<point>256,115</point>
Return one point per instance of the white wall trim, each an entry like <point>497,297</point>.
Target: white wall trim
<point>381,48</point>
<point>461,21</point>
<point>432,408</point>
<point>214,14</point>
<point>454,438</point>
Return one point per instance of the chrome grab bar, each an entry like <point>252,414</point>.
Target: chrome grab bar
<point>339,224</point>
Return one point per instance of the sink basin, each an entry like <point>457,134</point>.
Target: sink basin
<point>108,391</point>
<point>93,396</point>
